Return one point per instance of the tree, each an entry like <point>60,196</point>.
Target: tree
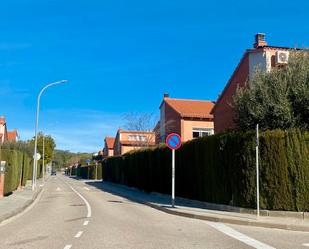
<point>276,99</point>
<point>142,122</point>
<point>65,158</point>
<point>19,146</point>
<point>49,146</point>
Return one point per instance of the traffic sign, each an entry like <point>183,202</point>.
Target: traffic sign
<point>37,157</point>
<point>173,141</point>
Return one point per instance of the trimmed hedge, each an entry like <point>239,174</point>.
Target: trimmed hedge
<point>17,169</point>
<point>89,172</point>
<point>221,169</point>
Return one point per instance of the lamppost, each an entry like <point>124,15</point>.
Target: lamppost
<point>35,163</point>
<point>43,157</point>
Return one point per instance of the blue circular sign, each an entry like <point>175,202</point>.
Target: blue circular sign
<point>173,141</point>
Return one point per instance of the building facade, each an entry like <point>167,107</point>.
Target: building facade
<point>126,141</point>
<point>5,135</point>
<point>188,118</point>
<point>108,146</point>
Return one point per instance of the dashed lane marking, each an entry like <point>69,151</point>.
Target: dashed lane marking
<point>79,234</point>
<point>86,188</point>
<point>58,189</point>
<point>67,247</point>
<point>86,222</point>
<point>239,236</point>
<point>306,244</point>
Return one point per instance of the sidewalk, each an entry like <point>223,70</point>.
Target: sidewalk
<point>18,201</point>
<point>197,210</point>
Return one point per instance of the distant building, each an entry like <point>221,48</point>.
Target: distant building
<point>11,136</point>
<point>108,146</point>
<point>3,130</point>
<point>126,141</point>
<point>188,118</point>
<point>262,57</point>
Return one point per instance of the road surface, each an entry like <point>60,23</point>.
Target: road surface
<point>70,214</point>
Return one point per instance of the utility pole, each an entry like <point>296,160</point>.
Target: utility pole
<point>257,173</point>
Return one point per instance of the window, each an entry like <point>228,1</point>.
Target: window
<point>137,138</point>
<point>202,132</point>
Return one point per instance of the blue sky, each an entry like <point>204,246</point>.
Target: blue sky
<point>121,56</point>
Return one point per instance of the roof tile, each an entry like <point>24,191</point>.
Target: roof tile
<point>191,108</point>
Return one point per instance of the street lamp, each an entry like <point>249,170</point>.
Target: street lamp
<point>35,164</point>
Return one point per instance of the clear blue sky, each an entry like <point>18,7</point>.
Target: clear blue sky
<point>121,56</point>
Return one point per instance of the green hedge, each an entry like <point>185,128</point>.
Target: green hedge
<point>89,172</point>
<point>221,169</point>
<point>17,169</point>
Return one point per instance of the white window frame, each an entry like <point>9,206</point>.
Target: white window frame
<point>205,131</point>
<point>140,138</point>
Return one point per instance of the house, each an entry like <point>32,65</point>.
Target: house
<point>262,57</point>
<point>188,118</point>
<point>108,149</point>
<point>5,135</point>
<point>13,136</point>
<point>3,130</point>
<point>126,141</point>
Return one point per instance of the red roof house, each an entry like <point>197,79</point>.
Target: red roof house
<point>108,146</point>
<point>262,57</point>
<point>186,117</point>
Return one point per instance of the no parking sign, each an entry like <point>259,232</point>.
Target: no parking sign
<point>173,141</point>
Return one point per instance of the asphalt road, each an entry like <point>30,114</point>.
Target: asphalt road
<point>72,214</point>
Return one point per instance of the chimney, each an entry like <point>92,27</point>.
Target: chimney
<point>166,95</point>
<point>259,40</point>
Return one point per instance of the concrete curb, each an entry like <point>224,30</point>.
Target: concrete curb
<point>19,210</point>
<point>234,221</point>
<point>214,218</point>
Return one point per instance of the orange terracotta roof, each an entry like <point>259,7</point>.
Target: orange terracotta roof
<point>110,142</point>
<point>188,108</point>
<point>12,135</point>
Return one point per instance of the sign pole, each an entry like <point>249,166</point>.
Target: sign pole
<point>257,173</point>
<point>173,178</point>
<point>173,141</point>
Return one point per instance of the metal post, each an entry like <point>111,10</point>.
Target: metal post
<point>257,173</point>
<point>96,170</point>
<point>173,178</point>
<point>34,171</point>
<point>43,158</point>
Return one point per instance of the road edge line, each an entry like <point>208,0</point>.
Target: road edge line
<point>89,212</point>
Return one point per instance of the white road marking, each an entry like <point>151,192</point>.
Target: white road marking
<point>86,202</point>
<point>86,222</point>
<point>58,189</point>
<point>67,247</point>
<point>239,236</point>
<point>86,188</point>
<point>306,244</point>
<point>79,234</point>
